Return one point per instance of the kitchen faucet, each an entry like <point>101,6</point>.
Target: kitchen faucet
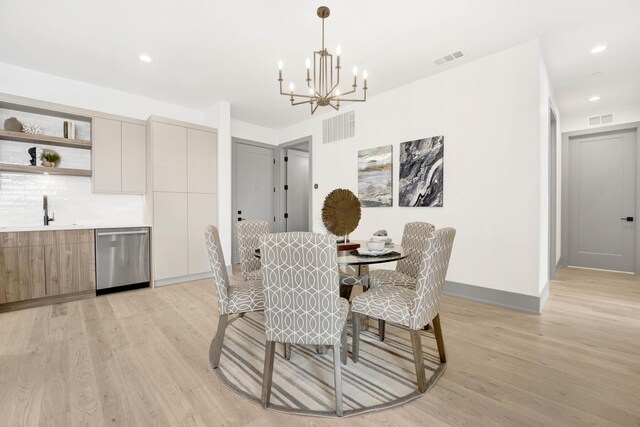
<point>45,207</point>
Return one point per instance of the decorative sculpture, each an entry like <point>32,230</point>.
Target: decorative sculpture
<point>341,212</point>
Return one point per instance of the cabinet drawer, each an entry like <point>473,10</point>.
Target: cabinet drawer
<point>64,237</point>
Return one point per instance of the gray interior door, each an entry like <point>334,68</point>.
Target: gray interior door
<point>297,194</point>
<point>602,201</point>
<point>254,190</point>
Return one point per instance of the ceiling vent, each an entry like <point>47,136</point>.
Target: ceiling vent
<point>339,127</point>
<point>448,58</point>
<point>605,119</point>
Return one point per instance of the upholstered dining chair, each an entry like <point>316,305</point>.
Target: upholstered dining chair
<point>232,299</point>
<point>248,235</point>
<point>414,243</point>
<point>302,302</point>
<point>413,308</point>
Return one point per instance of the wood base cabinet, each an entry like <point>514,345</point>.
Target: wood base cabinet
<point>42,264</point>
<point>21,273</point>
<point>70,268</point>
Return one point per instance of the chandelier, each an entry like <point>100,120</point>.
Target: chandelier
<point>323,87</point>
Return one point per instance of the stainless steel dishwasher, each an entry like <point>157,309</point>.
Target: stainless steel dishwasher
<point>122,258</point>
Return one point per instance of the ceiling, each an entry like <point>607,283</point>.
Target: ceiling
<point>205,50</point>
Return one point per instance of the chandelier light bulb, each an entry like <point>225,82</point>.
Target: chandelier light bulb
<point>308,63</point>
<point>337,92</point>
<point>365,75</point>
<point>311,91</point>
<point>291,87</point>
<point>338,50</point>
<point>355,70</point>
<point>280,65</point>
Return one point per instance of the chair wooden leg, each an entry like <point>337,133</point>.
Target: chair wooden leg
<point>437,330</point>
<point>267,375</point>
<point>416,343</point>
<point>287,351</point>
<point>338,379</point>
<point>355,339</point>
<point>216,345</point>
<point>343,344</point>
<point>427,327</point>
<point>381,325</point>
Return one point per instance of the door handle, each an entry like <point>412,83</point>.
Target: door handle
<point>241,219</point>
<point>627,218</point>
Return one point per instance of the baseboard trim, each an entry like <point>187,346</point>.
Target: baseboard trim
<point>526,303</point>
<point>181,279</point>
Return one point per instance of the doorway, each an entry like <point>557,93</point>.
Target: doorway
<point>253,186</point>
<point>295,175</point>
<point>602,200</point>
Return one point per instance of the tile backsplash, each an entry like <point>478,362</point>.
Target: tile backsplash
<point>70,197</point>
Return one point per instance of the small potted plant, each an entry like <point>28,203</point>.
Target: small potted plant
<point>50,158</point>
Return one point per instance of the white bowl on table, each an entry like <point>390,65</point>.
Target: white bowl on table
<point>375,246</point>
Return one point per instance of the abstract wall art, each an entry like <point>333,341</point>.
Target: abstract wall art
<point>375,176</point>
<point>421,172</point>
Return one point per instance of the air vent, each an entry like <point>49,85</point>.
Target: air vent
<point>448,58</point>
<point>339,127</point>
<point>604,119</point>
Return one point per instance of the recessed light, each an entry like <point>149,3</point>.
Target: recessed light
<point>145,58</point>
<point>599,48</point>
<point>594,98</point>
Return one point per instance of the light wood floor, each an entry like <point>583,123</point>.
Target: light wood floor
<point>141,358</point>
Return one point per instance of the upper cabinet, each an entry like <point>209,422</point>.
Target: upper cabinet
<point>202,152</point>
<point>134,155</point>
<point>169,157</point>
<point>119,156</point>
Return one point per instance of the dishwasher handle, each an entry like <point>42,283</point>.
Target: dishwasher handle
<point>120,233</point>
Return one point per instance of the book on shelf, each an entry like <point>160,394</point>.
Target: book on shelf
<point>69,130</point>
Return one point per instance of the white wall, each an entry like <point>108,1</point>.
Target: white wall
<point>489,112</point>
<point>251,132</point>
<point>621,114</point>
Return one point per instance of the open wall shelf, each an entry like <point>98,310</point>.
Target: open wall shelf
<point>44,139</point>
<point>5,167</point>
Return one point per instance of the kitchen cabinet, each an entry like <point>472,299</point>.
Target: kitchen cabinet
<point>69,268</point>
<point>169,157</point>
<point>119,157</point>
<point>134,172</point>
<point>170,238</point>
<point>21,273</point>
<point>202,153</point>
<point>202,211</point>
<point>36,265</point>
<point>107,155</point>
<point>182,198</point>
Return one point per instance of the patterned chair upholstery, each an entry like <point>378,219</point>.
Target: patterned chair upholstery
<point>302,302</point>
<point>414,242</point>
<point>248,233</point>
<point>413,308</point>
<point>244,298</point>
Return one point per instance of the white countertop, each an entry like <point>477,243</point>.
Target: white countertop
<point>55,226</point>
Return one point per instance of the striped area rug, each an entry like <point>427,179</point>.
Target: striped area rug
<point>383,377</point>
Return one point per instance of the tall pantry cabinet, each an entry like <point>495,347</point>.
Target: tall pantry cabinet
<point>181,199</point>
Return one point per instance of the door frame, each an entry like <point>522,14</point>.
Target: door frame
<point>234,205</point>
<point>566,139</point>
<point>552,192</point>
<point>280,195</point>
